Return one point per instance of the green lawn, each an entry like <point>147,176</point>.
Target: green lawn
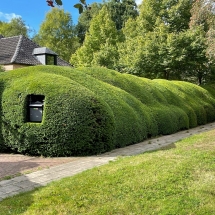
<point>179,179</point>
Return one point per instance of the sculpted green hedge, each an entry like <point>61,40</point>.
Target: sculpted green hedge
<point>93,110</point>
<point>74,118</point>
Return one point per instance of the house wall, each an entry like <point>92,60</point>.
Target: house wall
<point>13,66</point>
<point>41,58</point>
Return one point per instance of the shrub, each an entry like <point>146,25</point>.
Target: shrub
<point>129,114</point>
<point>2,145</point>
<point>75,120</point>
<point>93,110</point>
<point>164,98</point>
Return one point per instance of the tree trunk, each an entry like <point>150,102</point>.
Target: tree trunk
<point>200,76</point>
<point>200,80</point>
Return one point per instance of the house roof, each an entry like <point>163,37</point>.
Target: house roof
<point>19,50</point>
<point>42,50</point>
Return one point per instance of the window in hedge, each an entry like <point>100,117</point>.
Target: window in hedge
<point>35,108</point>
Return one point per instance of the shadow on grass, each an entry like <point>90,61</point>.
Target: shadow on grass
<point>16,186</point>
<point>168,147</point>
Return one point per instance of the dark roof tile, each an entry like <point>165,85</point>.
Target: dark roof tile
<point>43,50</point>
<point>7,49</point>
<point>19,50</point>
<point>24,52</point>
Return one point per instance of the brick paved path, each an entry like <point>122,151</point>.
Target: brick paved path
<point>16,164</point>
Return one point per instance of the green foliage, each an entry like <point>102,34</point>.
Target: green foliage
<point>160,53</point>
<point>161,39</point>
<point>59,2</point>
<point>130,116</point>
<point>166,99</point>
<point>13,28</point>
<point>203,15</point>
<point>3,147</point>
<point>93,110</point>
<point>57,32</point>
<point>121,11</point>
<point>75,120</point>
<point>99,47</point>
<point>84,20</point>
<point>175,14</point>
<point>2,69</point>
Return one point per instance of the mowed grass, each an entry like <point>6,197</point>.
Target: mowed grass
<point>175,180</point>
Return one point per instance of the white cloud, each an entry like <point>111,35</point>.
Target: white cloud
<point>138,2</point>
<point>8,16</point>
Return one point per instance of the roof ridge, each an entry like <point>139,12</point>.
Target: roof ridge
<point>17,49</point>
<point>11,37</point>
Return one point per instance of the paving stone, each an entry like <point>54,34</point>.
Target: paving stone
<point>3,196</point>
<point>2,193</point>
<point>5,183</point>
<point>20,179</point>
<point>9,188</point>
<point>25,184</point>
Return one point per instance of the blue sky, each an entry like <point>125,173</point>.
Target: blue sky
<point>33,11</point>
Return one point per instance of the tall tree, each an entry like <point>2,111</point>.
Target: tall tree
<point>203,15</point>
<point>57,32</point>
<point>99,47</point>
<point>158,46</point>
<point>13,28</point>
<point>121,11</point>
<point>84,20</point>
<point>175,14</point>
<point>196,64</point>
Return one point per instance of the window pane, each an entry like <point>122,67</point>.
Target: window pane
<point>50,59</point>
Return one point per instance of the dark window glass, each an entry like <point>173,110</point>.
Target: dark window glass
<point>50,60</point>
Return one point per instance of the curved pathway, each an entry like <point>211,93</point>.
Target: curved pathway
<point>76,165</point>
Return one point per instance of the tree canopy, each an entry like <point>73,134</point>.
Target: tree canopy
<point>99,47</point>
<point>159,43</point>
<point>57,32</point>
<point>15,27</point>
<point>121,11</point>
<point>84,20</point>
<point>203,15</point>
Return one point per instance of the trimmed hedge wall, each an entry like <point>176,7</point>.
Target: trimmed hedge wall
<point>93,110</point>
<point>190,102</point>
<point>74,118</point>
